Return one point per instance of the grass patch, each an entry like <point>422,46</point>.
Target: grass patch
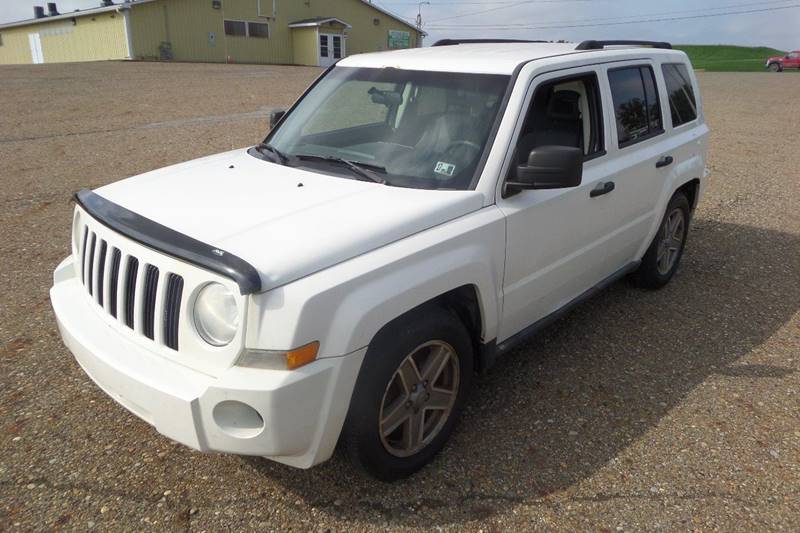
<point>726,58</point>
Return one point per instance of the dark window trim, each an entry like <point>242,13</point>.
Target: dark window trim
<point>598,97</point>
<point>643,138</point>
<point>654,133</point>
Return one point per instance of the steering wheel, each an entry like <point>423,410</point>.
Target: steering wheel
<point>456,144</point>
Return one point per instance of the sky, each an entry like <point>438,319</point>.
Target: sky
<point>749,23</point>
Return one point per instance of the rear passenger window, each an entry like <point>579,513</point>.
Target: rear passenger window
<point>636,104</point>
<point>681,94</point>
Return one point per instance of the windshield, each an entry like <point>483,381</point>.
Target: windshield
<point>410,128</point>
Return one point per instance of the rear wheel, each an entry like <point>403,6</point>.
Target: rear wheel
<point>664,254</point>
<point>409,394</point>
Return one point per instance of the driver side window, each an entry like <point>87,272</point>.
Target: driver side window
<point>564,112</point>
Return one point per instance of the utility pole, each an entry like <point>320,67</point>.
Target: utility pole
<point>419,21</point>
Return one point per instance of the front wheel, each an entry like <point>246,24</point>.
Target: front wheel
<point>775,67</point>
<point>664,254</point>
<point>409,394</point>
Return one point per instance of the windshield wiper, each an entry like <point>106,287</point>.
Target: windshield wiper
<point>277,154</point>
<point>356,167</point>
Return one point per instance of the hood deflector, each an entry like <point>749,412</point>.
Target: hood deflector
<point>166,240</point>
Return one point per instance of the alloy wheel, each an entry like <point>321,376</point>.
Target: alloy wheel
<point>672,236</point>
<point>419,398</point>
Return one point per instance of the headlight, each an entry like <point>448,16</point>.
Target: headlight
<point>216,316</point>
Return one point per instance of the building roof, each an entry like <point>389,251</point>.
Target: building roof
<point>73,14</point>
<point>317,21</point>
<point>493,58</point>
<point>389,14</point>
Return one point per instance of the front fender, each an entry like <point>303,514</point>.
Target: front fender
<point>344,306</point>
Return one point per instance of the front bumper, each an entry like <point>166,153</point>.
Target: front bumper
<point>300,412</point>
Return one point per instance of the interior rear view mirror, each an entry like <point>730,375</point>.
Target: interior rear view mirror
<point>549,167</point>
<point>387,98</point>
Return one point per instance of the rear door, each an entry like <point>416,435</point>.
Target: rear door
<point>688,133</point>
<point>638,154</point>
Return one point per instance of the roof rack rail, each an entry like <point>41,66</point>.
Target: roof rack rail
<point>599,45</point>
<point>451,42</point>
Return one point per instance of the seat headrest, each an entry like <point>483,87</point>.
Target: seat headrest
<point>564,105</point>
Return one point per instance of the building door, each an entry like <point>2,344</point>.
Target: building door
<point>331,49</point>
<point>37,57</point>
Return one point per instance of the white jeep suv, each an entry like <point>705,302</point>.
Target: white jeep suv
<point>412,216</point>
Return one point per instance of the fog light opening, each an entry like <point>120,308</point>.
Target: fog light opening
<point>238,419</point>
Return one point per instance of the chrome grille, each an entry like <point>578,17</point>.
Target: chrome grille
<point>129,292</point>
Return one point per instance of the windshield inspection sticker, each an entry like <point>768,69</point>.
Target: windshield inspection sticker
<point>445,169</point>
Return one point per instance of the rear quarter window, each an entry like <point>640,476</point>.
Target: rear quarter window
<point>682,103</point>
<point>636,105</point>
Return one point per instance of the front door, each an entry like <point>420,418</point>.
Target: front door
<point>331,49</point>
<point>558,239</point>
<point>37,57</point>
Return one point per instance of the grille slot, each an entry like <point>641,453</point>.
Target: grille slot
<point>116,258</point>
<point>149,307</point>
<point>172,309</point>
<point>101,271</point>
<point>130,290</point>
<point>90,278</point>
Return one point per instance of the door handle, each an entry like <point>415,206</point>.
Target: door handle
<point>665,161</point>
<point>602,188</point>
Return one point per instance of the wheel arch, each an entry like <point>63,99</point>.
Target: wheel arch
<point>692,191</point>
<point>463,301</point>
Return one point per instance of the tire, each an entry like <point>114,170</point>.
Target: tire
<point>663,257</point>
<point>368,439</point>
<point>775,67</point>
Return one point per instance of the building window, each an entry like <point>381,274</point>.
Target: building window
<point>235,28</point>
<point>337,47</point>
<point>258,29</point>
<point>1,39</point>
<point>323,45</point>
<point>636,104</point>
<point>241,28</point>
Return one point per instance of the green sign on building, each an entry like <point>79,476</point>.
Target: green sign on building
<point>399,39</point>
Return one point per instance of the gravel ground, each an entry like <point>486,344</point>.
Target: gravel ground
<point>641,410</point>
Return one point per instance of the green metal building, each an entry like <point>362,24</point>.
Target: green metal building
<point>301,32</point>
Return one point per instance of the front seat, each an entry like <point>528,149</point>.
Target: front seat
<point>446,129</point>
<point>561,125</point>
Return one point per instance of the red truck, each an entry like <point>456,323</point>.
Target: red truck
<point>779,63</point>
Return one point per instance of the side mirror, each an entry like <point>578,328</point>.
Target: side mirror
<point>276,117</point>
<point>549,167</point>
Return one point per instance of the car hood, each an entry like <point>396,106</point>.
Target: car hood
<point>286,222</point>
